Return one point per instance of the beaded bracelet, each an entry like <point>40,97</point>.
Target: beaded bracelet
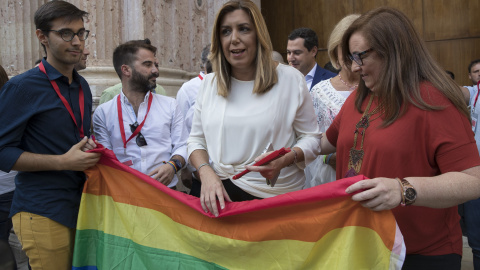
<point>295,157</point>
<point>204,164</point>
<point>171,164</point>
<point>328,158</point>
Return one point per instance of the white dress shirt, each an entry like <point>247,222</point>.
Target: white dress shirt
<point>310,75</point>
<point>235,130</point>
<point>186,97</point>
<point>164,132</point>
<point>7,181</point>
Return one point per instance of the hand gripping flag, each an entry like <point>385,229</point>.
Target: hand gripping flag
<point>128,220</point>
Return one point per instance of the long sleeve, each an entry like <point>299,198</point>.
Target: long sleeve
<point>178,133</point>
<point>100,126</point>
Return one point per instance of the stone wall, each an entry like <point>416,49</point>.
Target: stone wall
<point>178,28</point>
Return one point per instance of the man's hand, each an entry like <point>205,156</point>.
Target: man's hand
<point>76,159</point>
<point>90,145</point>
<point>163,174</point>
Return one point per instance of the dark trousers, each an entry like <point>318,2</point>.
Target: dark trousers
<point>441,262</point>
<point>236,194</point>
<point>471,217</point>
<point>6,254</point>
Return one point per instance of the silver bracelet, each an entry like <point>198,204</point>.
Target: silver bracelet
<point>295,158</point>
<point>204,164</point>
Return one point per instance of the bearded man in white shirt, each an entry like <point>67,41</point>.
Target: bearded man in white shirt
<point>146,131</point>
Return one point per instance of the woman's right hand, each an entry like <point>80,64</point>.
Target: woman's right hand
<point>212,188</point>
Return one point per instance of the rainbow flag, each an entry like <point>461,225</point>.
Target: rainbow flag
<point>127,220</point>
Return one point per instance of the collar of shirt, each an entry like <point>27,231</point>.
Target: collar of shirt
<point>54,74</point>
<point>129,107</point>
<point>310,75</point>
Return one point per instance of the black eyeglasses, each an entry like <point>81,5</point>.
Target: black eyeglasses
<point>140,140</point>
<point>358,57</point>
<point>68,35</point>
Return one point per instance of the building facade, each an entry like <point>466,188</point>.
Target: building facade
<point>178,28</point>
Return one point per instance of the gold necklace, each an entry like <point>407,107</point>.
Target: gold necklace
<point>350,87</point>
<point>356,156</point>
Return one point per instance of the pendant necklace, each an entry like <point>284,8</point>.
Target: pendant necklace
<point>350,87</point>
<point>356,156</point>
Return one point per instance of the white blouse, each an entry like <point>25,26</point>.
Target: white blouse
<point>235,130</point>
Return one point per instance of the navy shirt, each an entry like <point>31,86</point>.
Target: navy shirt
<point>34,119</point>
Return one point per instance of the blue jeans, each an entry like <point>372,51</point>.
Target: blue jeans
<point>472,225</point>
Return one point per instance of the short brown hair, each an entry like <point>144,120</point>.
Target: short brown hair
<point>125,53</point>
<point>53,10</point>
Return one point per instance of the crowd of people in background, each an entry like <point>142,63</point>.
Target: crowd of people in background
<point>385,109</point>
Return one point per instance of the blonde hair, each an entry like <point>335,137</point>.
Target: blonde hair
<point>265,75</point>
<point>336,37</point>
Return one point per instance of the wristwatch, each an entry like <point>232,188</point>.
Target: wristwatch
<point>409,194</point>
<point>177,163</point>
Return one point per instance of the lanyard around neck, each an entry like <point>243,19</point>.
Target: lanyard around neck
<point>65,102</point>
<point>476,98</point>
<point>120,120</point>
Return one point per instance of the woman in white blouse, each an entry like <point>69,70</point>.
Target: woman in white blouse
<point>247,105</point>
<point>328,97</point>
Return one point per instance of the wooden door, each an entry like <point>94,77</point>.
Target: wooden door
<point>450,28</point>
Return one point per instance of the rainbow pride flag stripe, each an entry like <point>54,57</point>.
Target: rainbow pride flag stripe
<point>127,220</point>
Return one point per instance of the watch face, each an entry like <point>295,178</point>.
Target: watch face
<point>178,164</point>
<point>410,194</point>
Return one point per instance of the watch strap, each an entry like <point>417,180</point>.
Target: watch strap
<point>406,186</point>
<point>402,202</point>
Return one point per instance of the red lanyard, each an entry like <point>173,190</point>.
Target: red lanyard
<point>120,120</point>
<point>65,102</point>
<point>200,76</point>
<point>476,98</point>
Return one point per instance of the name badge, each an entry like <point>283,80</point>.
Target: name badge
<point>474,122</point>
<point>128,163</point>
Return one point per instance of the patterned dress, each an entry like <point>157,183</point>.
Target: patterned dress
<point>327,102</point>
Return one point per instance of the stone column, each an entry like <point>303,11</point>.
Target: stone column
<point>178,28</point>
<point>19,46</point>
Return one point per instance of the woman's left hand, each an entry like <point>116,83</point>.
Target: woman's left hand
<point>377,194</point>
<point>270,170</point>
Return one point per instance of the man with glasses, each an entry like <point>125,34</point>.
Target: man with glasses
<point>44,128</point>
<point>146,131</point>
<point>302,49</point>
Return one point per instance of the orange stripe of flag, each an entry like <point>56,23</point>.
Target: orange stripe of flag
<point>135,191</point>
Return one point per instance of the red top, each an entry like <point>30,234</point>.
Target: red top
<point>420,143</point>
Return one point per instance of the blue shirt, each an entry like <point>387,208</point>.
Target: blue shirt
<point>34,119</point>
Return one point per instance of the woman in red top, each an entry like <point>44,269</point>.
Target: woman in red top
<point>407,128</point>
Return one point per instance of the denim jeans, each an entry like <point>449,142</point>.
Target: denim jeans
<point>471,212</point>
